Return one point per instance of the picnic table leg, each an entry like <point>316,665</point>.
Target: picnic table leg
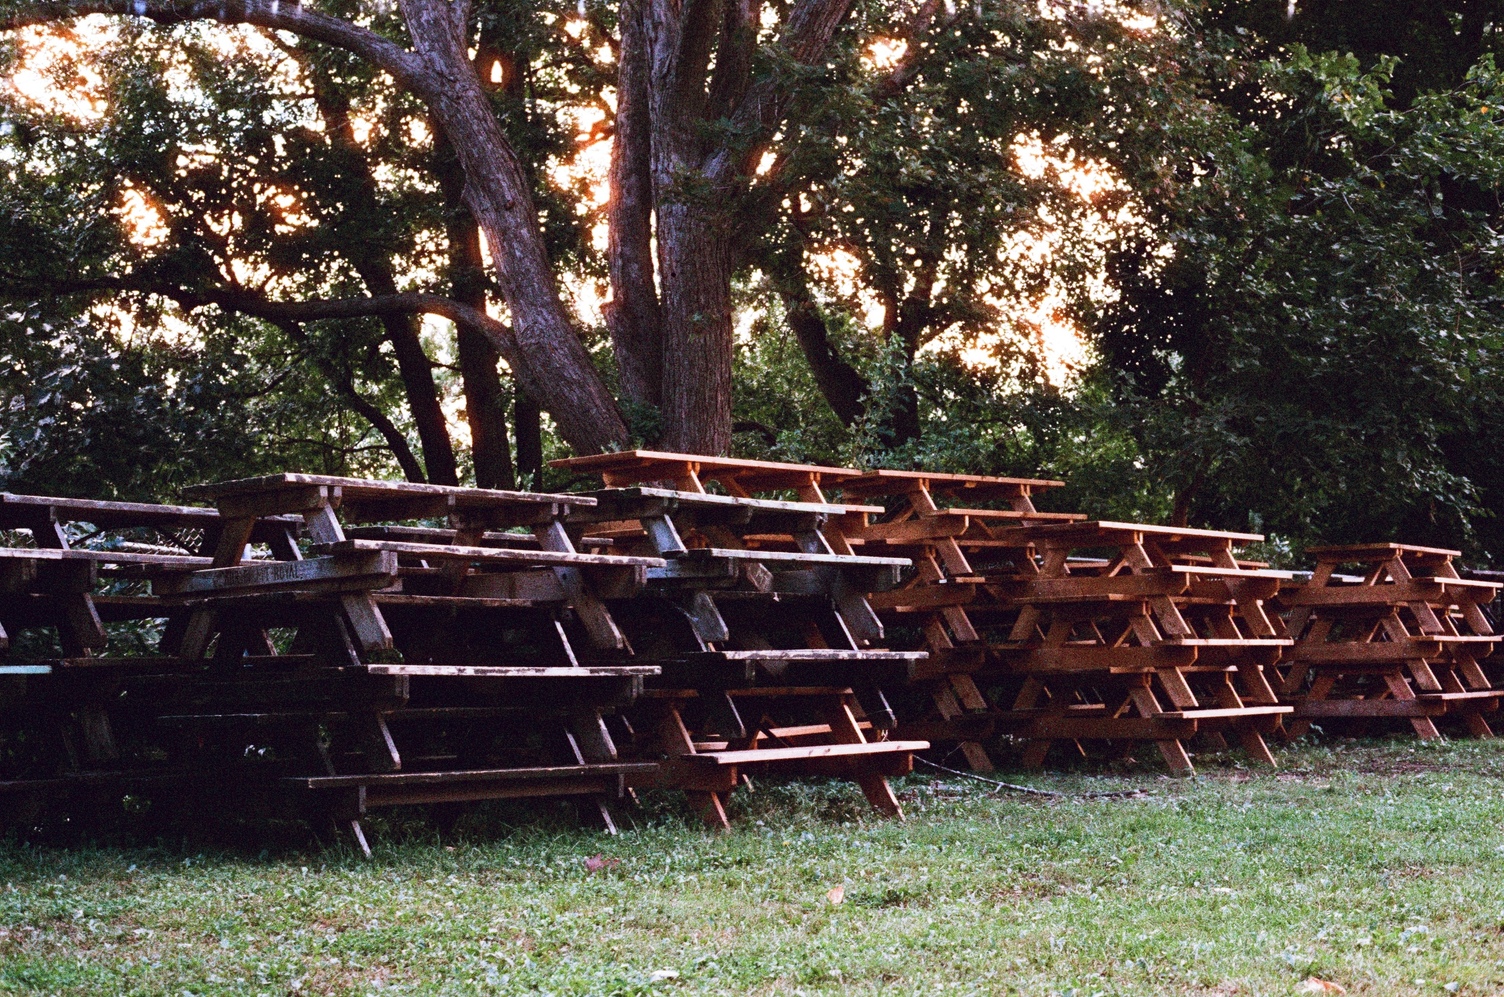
<point>1173,751</point>
<point>675,742</point>
<point>1399,688</point>
<point>1028,698</point>
<point>845,729</point>
<point>229,550</point>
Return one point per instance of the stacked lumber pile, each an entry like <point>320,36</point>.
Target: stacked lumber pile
<point>1130,633</point>
<point>1397,637</point>
<point>759,620</point>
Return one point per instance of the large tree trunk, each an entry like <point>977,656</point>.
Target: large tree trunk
<point>697,335</point>
<point>485,400</point>
<point>558,372</point>
<point>633,315</point>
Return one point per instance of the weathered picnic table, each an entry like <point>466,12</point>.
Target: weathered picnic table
<point>1165,637</point>
<point>66,715</point>
<point>1400,638</point>
<point>760,620</point>
<point>446,653</point>
<point>924,522</point>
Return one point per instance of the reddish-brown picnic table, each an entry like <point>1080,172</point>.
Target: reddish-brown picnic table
<point>1147,647</point>
<point>935,518</point>
<point>1399,637</point>
<point>775,596</point>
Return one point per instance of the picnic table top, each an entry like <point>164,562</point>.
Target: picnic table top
<point>488,555</point>
<point>707,500</point>
<point>1341,553</point>
<point>753,475</point>
<point>886,481</point>
<point>381,493</point>
<point>1107,533</point>
<point>179,561</point>
<point>18,510</point>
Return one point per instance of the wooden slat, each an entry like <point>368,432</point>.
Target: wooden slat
<point>324,782</point>
<point>514,671</point>
<point>489,555</point>
<point>754,756</point>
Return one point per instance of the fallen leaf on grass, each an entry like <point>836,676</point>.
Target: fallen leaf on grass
<point>1312,985</point>
<point>597,862</point>
<point>836,895</point>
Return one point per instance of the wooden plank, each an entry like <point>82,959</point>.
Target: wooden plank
<point>365,568</point>
<point>326,782</point>
<point>793,557</point>
<point>1051,726</point>
<point>1352,652</point>
<point>1337,708</point>
<point>513,671</point>
<point>1096,658</point>
<point>1102,533</point>
<point>1228,713</point>
<point>16,511</point>
<point>754,756</point>
<point>487,555</point>
<point>925,598</point>
<point>375,489</point>
<point>914,530</point>
<point>1074,588</point>
<point>162,561</point>
<point>1356,553</point>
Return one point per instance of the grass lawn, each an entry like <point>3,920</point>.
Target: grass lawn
<point>1377,865</point>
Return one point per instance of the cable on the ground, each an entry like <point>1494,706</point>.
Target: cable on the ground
<point>1014,787</point>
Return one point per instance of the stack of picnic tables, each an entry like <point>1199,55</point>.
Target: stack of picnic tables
<point>67,723</point>
<point>1129,632</point>
<point>760,619</point>
<point>934,519</point>
<point>340,644</point>
<point>1398,635</point>
<point>382,660</point>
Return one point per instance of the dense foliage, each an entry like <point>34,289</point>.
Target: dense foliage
<point>1274,235</point>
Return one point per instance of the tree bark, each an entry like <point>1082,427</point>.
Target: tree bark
<point>485,400</point>
<point>529,422</point>
<point>633,316</point>
<point>697,332</point>
<point>558,370</point>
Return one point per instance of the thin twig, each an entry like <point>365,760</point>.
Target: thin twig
<point>1013,787</point>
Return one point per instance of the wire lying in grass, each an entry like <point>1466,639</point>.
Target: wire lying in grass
<point>1015,788</point>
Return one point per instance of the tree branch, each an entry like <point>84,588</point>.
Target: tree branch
<point>805,39</point>
<point>403,65</point>
<point>363,407</point>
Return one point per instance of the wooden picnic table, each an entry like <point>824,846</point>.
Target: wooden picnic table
<point>1145,647</point>
<point>760,601</point>
<point>450,618</point>
<point>921,521</point>
<point>690,473</point>
<point>1400,638</point>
